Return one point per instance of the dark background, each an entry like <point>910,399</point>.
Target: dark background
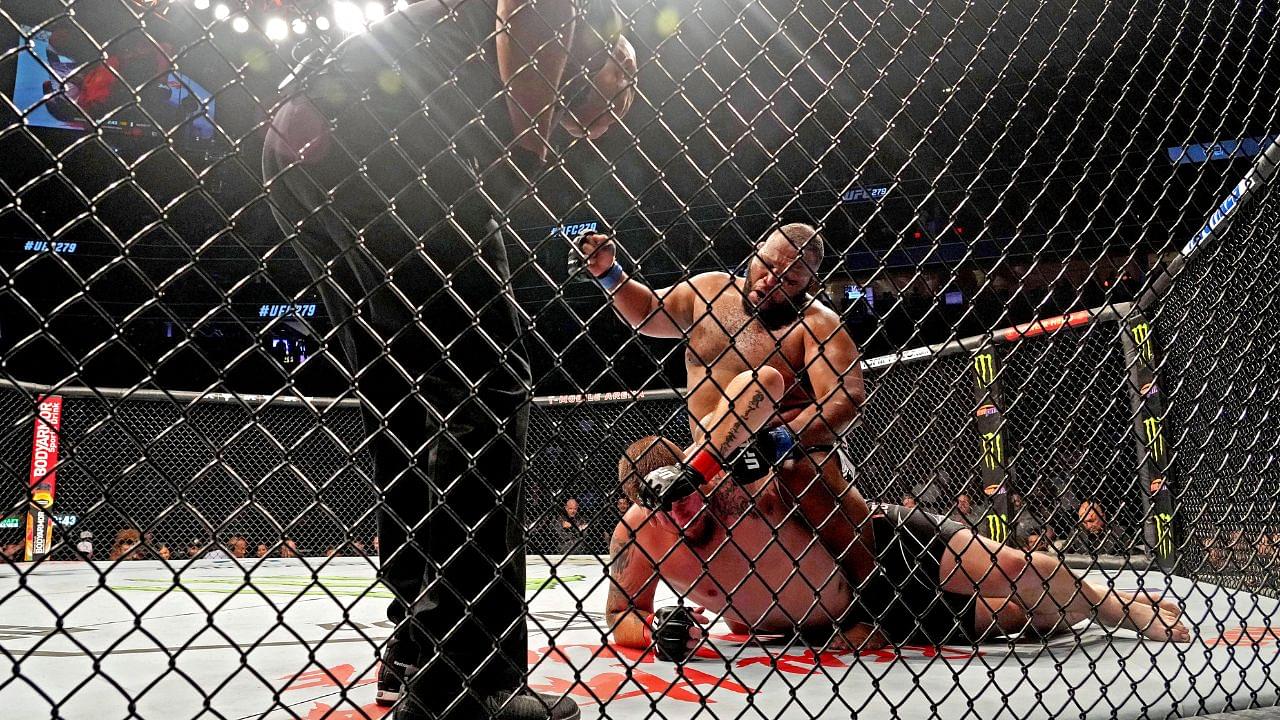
<point>1024,155</point>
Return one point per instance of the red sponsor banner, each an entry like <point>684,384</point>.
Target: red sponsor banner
<point>43,476</point>
<point>1047,325</point>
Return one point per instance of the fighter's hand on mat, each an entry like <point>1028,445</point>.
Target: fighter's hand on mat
<point>677,631</point>
<point>598,252</point>
<point>859,637</point>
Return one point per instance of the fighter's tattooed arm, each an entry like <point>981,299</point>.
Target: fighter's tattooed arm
<point>745,409</point>
<point>633,580</point>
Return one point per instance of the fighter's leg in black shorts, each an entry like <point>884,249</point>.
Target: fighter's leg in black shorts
<point>961,587</point>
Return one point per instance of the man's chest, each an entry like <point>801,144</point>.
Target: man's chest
<point>729,339</point>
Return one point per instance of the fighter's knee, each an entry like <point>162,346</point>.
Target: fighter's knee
<point>1007,617</point>
<point>769,379</point>
<point>1013,565</point>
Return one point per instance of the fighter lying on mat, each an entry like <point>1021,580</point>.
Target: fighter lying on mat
<point>749,554</point>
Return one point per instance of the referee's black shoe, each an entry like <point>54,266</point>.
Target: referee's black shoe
<point>523,704</point>
<point>399,663</point>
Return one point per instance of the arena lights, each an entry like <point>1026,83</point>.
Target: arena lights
<point>374,11</point>
<point>201,4</point>
<point>221,11</point>
<point>300,26</point>
<point>240,24</point>
<point>347,16</point>
<point>322,23</point>
<point>276,29</point>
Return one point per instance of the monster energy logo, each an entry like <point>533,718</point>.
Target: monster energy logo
<point>985,366</point>
<point>1155,440</point>
<point>1142,338</point>
<point>997,527</point>
<point>992,450</point>
<point>1164,535</point>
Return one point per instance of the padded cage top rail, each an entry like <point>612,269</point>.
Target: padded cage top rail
<point>1005,335</point>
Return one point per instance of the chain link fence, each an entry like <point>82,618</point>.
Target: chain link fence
<point>1219,332</point>
<point>288,279</point>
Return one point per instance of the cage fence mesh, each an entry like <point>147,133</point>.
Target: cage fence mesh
<point>275,280</point>
<point>1218,328</point>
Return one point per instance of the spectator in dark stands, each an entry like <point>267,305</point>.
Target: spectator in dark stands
<point>149,539</point>
<point>1023,521</point>
<point>330,551</point>
<point>126,546</point>
<point>193,549</point>
<point>215,552</point>
<point>965,513</point>
<point>237,546</point>
<point>289,549</point>
<point>909,501</point>
<point>1037,540</point>
<point>1094,535</point>
<point>1266,550</point>
<point>163,551</point>
<point>263,550</point>
<point>624,504</point>
<point>85,546</point>
<point>377,546</point>
<point>568,530</point>
<point>357,547</point>
<point>14,551</point>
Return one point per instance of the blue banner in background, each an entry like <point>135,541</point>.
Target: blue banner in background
<point>1222,150</point>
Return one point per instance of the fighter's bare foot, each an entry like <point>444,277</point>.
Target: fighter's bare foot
<point>1149,597</point>
<point>1149,621</point>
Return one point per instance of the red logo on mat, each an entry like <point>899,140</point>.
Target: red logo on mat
<point>684,687</point>
<point>1250,636</point>
<point>372,711</point>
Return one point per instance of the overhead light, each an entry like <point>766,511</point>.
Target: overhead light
<point>348,17</point>
<point>240,24</point>
<point>322,23</point>
<point>221,11</point>
<point>276,29</point>
<point>400,4</point>
<point>374,11</point>
<point>201,4</point>
<point>300,26</point>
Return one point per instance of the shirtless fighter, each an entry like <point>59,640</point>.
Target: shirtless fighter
<point>767,319</point>
<point>745,554</point>
<point>767,325</point>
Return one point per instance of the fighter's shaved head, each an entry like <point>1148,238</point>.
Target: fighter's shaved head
<point>806,240</point>
<point>643,457</point>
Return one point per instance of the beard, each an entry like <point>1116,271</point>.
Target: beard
<point>776,315</point>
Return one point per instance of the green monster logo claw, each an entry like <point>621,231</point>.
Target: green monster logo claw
<point>985,366</point>
<point>997,527</point>
<point>1155,439</point>
<point>1142,338</point>
<point>992,450</point>
<point>1164,535</point>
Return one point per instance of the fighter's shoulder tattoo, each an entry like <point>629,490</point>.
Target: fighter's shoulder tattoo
<point>621,553</point>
